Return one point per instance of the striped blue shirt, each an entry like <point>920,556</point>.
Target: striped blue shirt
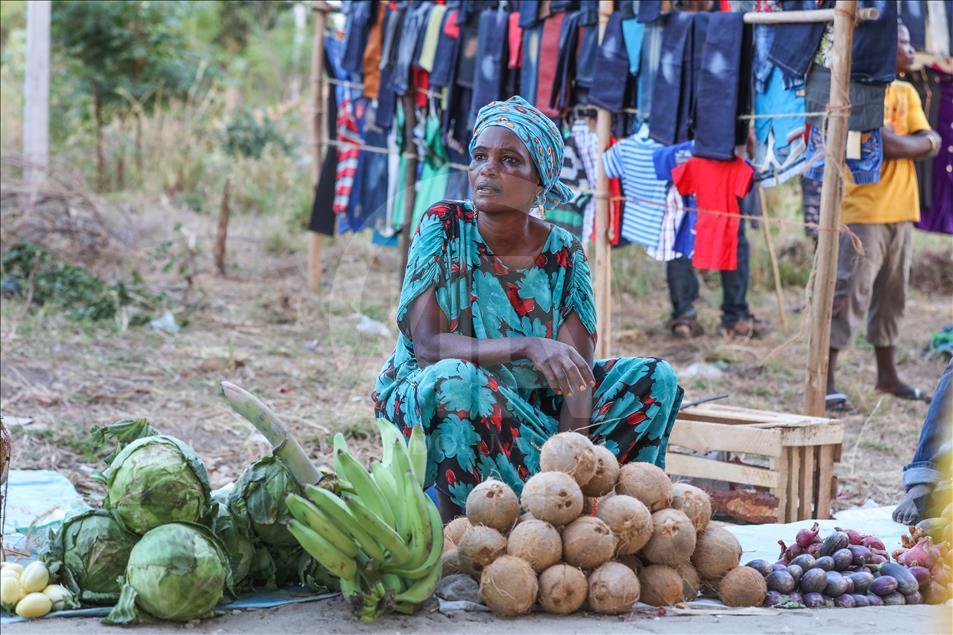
<point>631,160</point>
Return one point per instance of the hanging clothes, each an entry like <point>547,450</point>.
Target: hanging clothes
<point>349,151</point>
<point>665,160</point>
<point>372,55</point>
<point>548,62</point>
<point>491,47</point>
<point>717,186</point>
<point>935,176</point>
<point>432,184</point>
<point>570,215</point>
<point>631,160</point>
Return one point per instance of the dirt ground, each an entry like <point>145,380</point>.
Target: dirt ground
<point>332,617</point>
<point>303,353</point>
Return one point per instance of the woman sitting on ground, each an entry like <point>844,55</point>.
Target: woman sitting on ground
<point>497,327</point>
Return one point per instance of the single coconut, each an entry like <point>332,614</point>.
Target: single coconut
<point>694,502</point>
<point>552,496</point>
<point>493,503</point>
<point>455,529</point>
<point>743,586</point>
<point>588,542</point>
<point>613,588</point>
<point>562,589</point>
<point>647,483</point>
<point>480,546</point>
<point>691,582</point>
<point>509,586</point>
<point>633,562</point>
<point>673,538</point>
<point>606,474</point>
<point>570,453</point>
<point>717,552</point>
<point>537,542</point>
<point>661,585</point>
<point>629,519</point>
<point>451,562</point>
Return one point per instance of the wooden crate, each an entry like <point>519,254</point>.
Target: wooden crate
<point>787,472</point>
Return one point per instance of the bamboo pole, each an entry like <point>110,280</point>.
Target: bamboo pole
<point>804,17</point>
<point>602,283</point>
<point>410,180</point>
<point>321,10</point>
<point>769,241</point>
<point>822,294</point>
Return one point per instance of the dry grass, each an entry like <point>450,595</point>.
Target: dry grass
<point>260,328</point>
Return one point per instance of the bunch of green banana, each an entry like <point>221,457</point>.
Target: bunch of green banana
<point>377,531</point>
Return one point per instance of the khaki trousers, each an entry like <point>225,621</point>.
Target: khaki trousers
<point>872,285</point>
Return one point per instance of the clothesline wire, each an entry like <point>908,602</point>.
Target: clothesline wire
<point>633,111</point>
<point>842,227</point>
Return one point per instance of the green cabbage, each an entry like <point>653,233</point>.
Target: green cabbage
<point>250,562</point>
<point>156,480</point>
<point>88,554</point>
<point>259,494</point>
<point>176,572</point>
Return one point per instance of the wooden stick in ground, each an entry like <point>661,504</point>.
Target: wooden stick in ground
<point>284,446</point>
<point>822,295</point>
<point>410,180</point>
<point>602,269</point>
<point>774,261</point>
<point>315,242</point>
<point>222,234</point>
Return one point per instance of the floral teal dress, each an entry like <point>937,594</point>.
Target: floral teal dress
<point>484,422</point>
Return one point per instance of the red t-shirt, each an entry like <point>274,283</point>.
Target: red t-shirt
<point>717,186</point>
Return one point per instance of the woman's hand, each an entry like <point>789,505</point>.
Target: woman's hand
<point>564,368</point>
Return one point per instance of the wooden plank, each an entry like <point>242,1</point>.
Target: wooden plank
<point>813,435</point>
<point>745,505</point>
<point>825,473</point>
<point>832,190</point>
<point>780,491</point>
<point>806,487</point>
<point>721,413</point>
<point>707,437</point>
<point>794,473</point>
<point>685,465</point>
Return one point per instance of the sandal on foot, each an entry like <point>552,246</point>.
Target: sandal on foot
<point>750,327</point>
<point>837,402</point>
<point>911,394</point>
<point>686,328</point>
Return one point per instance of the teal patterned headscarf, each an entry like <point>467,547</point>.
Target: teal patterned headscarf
<point>540,136</point>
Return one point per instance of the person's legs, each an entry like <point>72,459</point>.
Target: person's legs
<point>921,475</point>
<point>855,278</point>
<point>734,285</point>
<point>683,291</point>
<point>887,302</point>
<point>634,405</point>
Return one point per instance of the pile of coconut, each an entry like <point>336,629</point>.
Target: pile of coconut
<point>592,533</point>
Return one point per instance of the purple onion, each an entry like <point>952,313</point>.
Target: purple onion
<point>761,566</point>
<point>796,572</point>
<point>814,600</point>
<point>825,562</point>
<point>894,599</point>
<point>922,574</point>
<point>874,599</point>
<point>844,601</point>
<point>772,598</point>
<point>913,598</point>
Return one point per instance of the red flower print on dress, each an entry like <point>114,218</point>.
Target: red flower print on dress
<point>521,305</point>
<point>451,477</point>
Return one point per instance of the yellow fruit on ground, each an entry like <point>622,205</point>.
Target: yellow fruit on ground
<point>10,591</point>
<point>34,605</point>
<point>34,578</point>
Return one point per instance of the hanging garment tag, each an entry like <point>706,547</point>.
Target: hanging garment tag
<point>853,144</point>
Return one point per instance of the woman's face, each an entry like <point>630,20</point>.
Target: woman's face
<point>502,174</point>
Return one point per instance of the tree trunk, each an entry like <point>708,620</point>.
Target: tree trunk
<point>121,158</point>
<point>100,155</point>
<point>139,145</point>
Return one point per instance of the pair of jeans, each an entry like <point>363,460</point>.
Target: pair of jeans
<point>716,100</point>
<point>612,68</point>
<point>445,60</point>
<point>414,21</point>
<point>369,193</point>
<point>648,67</point>
<point>913,13</point>
<point>866,101</point>
<point>568,42</point>
<point>360,14</point>
<point>864,171</point>
<point>532,37</point>
<point>683,286</point>
<point>649,11</point>
<point>934,447</point>
<point>668,90</point>
<point>874,53</point>
<point>491,45</point>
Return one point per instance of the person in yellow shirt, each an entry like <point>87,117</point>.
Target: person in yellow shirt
<point>872,285</point>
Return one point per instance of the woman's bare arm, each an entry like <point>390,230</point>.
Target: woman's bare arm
<point>577,407</point>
